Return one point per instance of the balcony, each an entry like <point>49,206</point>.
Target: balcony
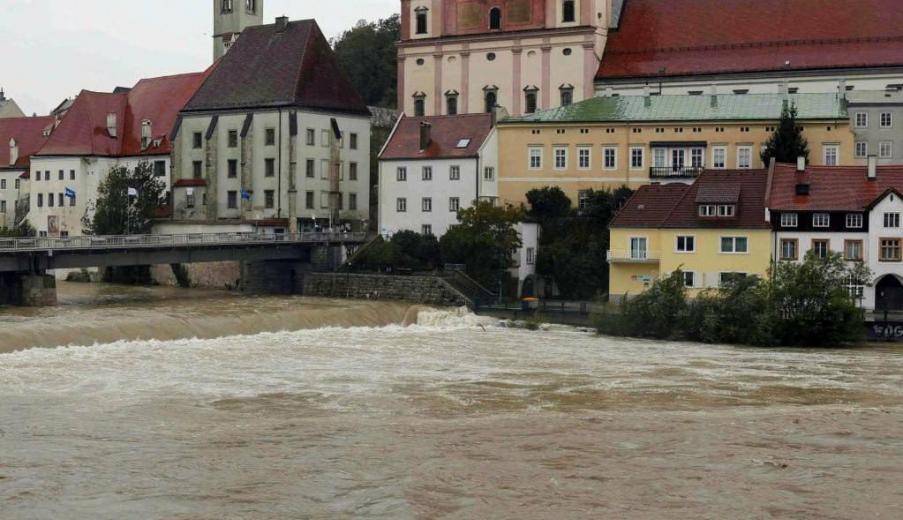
<point>675,172</point>
<point>623,256</point>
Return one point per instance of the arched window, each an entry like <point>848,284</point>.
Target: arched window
<point>492,99</point>
<point>495,18</point>
<point>568,12</point>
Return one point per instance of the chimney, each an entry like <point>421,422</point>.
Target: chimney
<point>647,96</point>
<point>425,138</point>
<point>713,102</point>
<point>13,151</point>
<point>2,95</point>
<point>800,164</point>
<point>111,124</point>
<point>281,23</point>
<point>873,168</point>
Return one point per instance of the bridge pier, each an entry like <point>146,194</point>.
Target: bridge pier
<point>28,289</point>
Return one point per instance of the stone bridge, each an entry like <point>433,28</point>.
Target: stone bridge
<point>271,261</point>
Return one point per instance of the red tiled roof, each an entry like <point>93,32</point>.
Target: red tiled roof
<point>445,134</point>
<point>269,67</point>
<point>83,130</point>
<point>676,206</point>
<point>841,188</point>
<point>692,37</point>
<point>29,135</point>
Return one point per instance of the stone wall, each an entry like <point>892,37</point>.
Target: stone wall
<point>28,290</point>
<point>208,275</point>
<point>416,289</point>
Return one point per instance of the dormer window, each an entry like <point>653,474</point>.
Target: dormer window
<point>420,14</point>
<point>227,6</point>
<point>146,134</point>
<point>568,11</point>
<point>727,211</point>
<point>495,19</point>
<point>707,210</point>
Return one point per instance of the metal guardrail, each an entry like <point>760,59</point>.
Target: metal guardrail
<point>681,172</point>
<point>14,245</point>
<point>637,257</point>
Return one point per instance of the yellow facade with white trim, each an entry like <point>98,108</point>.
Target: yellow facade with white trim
<point>631,276</point>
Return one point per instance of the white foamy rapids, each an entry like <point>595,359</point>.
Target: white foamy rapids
<point>459,318</point>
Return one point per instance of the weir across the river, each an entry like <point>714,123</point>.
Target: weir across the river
<point>271,262</point>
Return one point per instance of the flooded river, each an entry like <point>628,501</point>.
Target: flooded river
<point>351,414</point>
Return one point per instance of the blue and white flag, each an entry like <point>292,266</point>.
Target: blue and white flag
<point>70,193</point>
<point>133,192</point>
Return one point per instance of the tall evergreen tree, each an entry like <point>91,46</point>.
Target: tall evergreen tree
<point>787,142</point>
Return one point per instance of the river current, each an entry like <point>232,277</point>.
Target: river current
<point>215,407</point>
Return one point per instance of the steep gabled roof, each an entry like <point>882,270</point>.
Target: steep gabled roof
<point>677,206</point>
<point>83,130</point>
<point>269,67</point>
<point>661,38</point>
<point>29,135</point>
<point>831,188</point>
<point>446,132</point>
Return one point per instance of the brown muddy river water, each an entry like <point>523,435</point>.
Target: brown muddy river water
<point>350,414</point>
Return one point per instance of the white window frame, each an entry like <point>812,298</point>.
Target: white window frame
<point>708,210</point>
<point>614,156</point>
<point>584,157</point>
<point>697,153</point>
<point>727,210</point>
<point>865,120</point>
<point>401,205</point>
<point>890,120</point>
<point>886,150</point>
<point>426,173</point>
<point>535,152</point>
<point>821,220</point>
<point>694,280</point>
<point>426,205</point>
<point>557,154</point>
<point>454,204</point>
<point>790,220</point>
<point>677,248</point>
<point>631,250</point>
<point>723,150</point>
<point>891,220</point>
<point>401,174</point>
<point>855,220</point>
<point>454,173</point>
<point>740,152</point>
<point>531,255</point>
<point>734,240</point>
<point>826,150</point>
<point>862,149</point>
<point>488,173</point>
<point>642,156</point>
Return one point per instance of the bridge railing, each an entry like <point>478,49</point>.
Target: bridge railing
<point>183,240</point>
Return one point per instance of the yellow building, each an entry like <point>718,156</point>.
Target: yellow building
<point>711,230</point>
<point>606,142</point>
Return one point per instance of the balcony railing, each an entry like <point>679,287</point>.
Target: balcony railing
<point>626,256</point>
<point>675,172</point>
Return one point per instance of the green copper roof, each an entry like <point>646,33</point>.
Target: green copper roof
<point>729,107</point>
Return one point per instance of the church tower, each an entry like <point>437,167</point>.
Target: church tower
<point>230,18</point>
<point>466,56</point>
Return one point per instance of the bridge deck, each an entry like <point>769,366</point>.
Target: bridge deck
<point>186,241</point>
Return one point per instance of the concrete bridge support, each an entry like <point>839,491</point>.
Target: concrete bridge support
<point>27,289</point>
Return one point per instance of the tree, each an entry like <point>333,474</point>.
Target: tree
<point>484,240</point>
<point>548,203</point>
<point>416,251</point>
<point>787,143</point>
<point>368,55</point>
<point>118,213</point>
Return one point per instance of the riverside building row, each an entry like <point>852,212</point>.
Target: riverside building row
<point>735,224</point>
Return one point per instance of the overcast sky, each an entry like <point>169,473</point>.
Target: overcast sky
<point>52,49</point>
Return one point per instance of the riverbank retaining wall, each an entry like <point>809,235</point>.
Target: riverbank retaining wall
<point>416,289</point>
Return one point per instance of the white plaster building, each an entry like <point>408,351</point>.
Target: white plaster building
<point>855,211</point>
<point>19,138</point>
<point>276,138</point>
<point>431,167</point>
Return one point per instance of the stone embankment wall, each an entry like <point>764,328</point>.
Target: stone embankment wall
<point>212,275</point>
<point>416,289</point>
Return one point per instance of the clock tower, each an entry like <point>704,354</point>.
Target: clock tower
<point>230,18</point>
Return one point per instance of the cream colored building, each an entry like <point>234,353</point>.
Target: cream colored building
<point>230,18</point>
<point>464,56</point>
<point>8,107</point>
<point>607,142</point>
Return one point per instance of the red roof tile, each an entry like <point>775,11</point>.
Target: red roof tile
<point>445,134</point>
<point>691,37</point>
<point>83,130</point>
<point>29,135</point>
<point>189,183</point>
<point>676,206</point>
<point>840,188</point>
